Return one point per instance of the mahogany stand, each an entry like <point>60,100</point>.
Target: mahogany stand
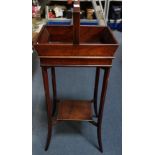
<point>84,46</point>
<point>74,110</point>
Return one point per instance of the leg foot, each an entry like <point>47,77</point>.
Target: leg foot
<point>99,138</point>
<point>49,134</point>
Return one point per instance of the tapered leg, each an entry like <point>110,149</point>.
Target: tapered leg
<point>54,89</point>
<point>48,105</point>
<point>102,100</point>
<point>96,89</point>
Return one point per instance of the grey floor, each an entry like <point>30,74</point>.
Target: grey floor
<point>78,138</point>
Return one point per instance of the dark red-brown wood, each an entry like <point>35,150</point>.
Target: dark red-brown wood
<point>101,108</point>
<point>54,89</point>
<point>96,89</point>
<point>74,110</point>
<point>76,23</point>
<point>48,105</point>
<point>96,46</point>
<point>75,62</point>
<point>75,46</point>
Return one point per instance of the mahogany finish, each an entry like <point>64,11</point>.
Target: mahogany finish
<point>73,61</point>
<point>75,46</point>
<point>48,105</point>
<point>96,47</point>
<point>74,110</point>
<point>102,101</point>
<point>54,89</point>
<point>96,89</point>
<point>76,21</point>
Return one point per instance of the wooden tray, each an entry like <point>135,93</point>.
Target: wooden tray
<point>76,45</point>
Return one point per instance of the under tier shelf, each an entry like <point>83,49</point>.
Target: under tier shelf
<point>74,110</point>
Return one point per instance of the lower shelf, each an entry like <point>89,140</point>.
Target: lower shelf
<point>74,110</point>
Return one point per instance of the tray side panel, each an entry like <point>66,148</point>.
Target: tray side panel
<point>44,36</point>
<point>60,33</point>
<point>93,34</point>
<point>75,62</point>
<point>73,50</point>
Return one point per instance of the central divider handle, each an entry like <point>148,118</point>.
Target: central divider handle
<point>76,22</point>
